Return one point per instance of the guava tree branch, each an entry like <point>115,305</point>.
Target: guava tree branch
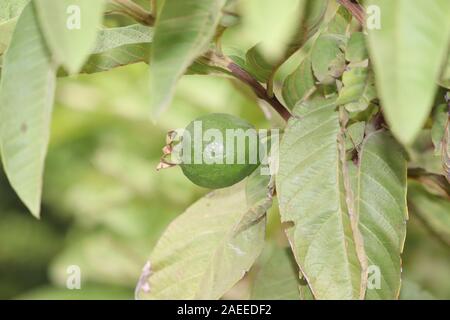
<point>355,9</point>
<point>227,64</point>
<point>259,90</point>
<point>133,10</point>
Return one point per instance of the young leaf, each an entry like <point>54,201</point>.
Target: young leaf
<point>299,84</point>
<point>70,28</point>
<point>183,31</point>
<point>408,52</point>
<point>433,210</point>
<point>310,192</point>
<point>445,78</point>
<point>358,89</point>
<point>278,278</point>
<point>207,249</point>
<point>356,50</point>
<point>26,100</point>
<point>380,196</point>
<point>328,61</point>
<point>257,65</point>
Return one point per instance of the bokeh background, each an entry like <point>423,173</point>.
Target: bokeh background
<point>105,205</point>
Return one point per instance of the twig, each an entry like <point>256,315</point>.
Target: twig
<point>226,63</point>
<point>355,9</point>
<point>259,90</point>
<point>133,10</point>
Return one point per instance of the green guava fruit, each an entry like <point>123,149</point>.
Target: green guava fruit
<point>211,164</point>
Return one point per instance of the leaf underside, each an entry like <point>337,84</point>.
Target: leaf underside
<point>26,100</point>
<point>207,249</point>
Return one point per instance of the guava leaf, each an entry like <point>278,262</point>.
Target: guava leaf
<point>413,291</point>
<point>299,84</point>
<point>207,249</point>
<point>311,197</point>
<point>356,50</point>
<point>407,53</point>
<point>278,277</point>
<point>121,46</point>
<point>9,13</point>
<point>271,24</point>
<point>355,135</point>
<point>183,32</point>
<point>70,28</point>
<point>380,195</point>
<point>328,61</point>
<point>433,210</point>
<point>9,9</point>
<point>440,119</point>
<point>358,89</point>
<point>257,65</point>
<point>6,31</point>
<point>26,100</point>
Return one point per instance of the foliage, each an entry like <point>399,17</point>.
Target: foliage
<point>364,154</point>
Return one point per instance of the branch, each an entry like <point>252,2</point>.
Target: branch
<point>355,9</point>
<point>259,90</point>
<point>133,10</point>
<point>226,63</point>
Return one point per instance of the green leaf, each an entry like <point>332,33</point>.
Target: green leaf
<point>433,210</point>
<point>9,9</point>
<point>183,31</point>
<point>440,119</point>
<point>445,78</point>
<point>257,65</point>
<point>6,31</point>
<point>355,135</point>
<point>313,15</point>
<point>9,12</point>
<point>26,100</point>
<point>271,24</point>
<point>413,291</point>
<point>299,85</point>
<point>408,52</point>
<point>358,89</point>
<point>380,196</point>
<point>117,47</point>
<point>278,278</point>
<point>328,61</point>
<point>310,192</point>
<point>356,50</point>
<point>108,39</point>
<point>70,28</point>
<point>207,249</point>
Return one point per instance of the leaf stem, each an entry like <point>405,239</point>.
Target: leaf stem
<point>355,9</point>
<point>135,11</point>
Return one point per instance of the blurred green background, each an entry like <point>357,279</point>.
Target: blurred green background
<point>105,205</point>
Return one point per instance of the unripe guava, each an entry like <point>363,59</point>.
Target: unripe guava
<point>220,166</point>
